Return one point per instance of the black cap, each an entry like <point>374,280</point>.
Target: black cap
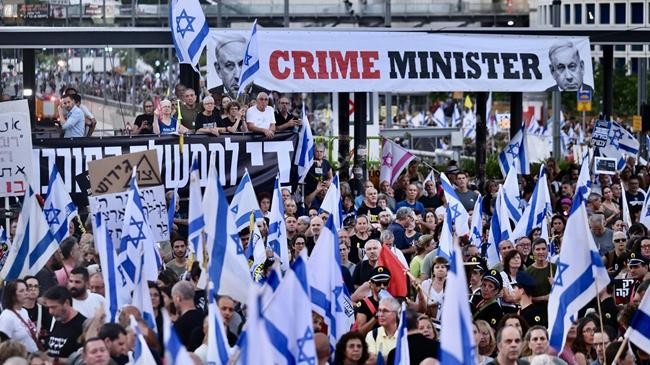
<point>476,264</point>
<point>495,277</point>
<point>636,259</point>
<point>380,273</point>
<point>525,280</point>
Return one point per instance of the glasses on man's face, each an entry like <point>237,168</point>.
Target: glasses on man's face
<point>619,240</point>
<point>381,284</point>
<point>262,99</point>
<point>32,286</point>
<point>384,310</point>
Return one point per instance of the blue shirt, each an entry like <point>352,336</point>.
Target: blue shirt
<point>401,242</point>
<point>418,207</point>
<point>167,129</point>
<point>75,124</point>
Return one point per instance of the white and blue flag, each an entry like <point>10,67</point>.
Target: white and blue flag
<point>58,208</point>
<point>620,142</point>
<point>514,154</point>
<point>244,203</point>
<point>292,340</point>
<point>580,273</point>
<point>439,118</point>
<point>456,213</point>
<point>228,267</point>
<point>500,229</point>
<point>171,210</point>
<point>402,356</point>
<point>469,125</point>
<point>457,333</point>
<point>218,349</point>
<point>329,296</point>
<point>332,202</point>
<point>189,30</point>
<point>277,236</point>
<point>251,61</point>
<point>536,213</point>
<point>196,223</point>
<point>511,195</point>
<point>455,117</point>
<point>141,354</point>
<point>476,228</point>
<point>175,352</point>
<point>137,238</point>
<point>306,147</point>
<point>33,244</point>
<point>639,330</point>
<point>254,341</point>
<point>115,293</point>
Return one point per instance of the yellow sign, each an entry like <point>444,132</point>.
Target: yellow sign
<point>382,111</point>
<point>584,106</point>
<point>636,123</point>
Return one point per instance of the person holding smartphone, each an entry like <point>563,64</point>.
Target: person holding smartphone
<point>283,118</point>
<point>144,122</point>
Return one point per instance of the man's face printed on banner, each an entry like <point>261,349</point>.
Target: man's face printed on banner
<point>230,57</point>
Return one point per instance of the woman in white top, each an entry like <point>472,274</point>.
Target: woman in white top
<point>512,264</point>
<point>434,287</point>
<point>14,320</point>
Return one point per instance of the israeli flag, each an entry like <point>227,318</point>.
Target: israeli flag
<point>218,348</point>
<point>639,331</point>
<point>116,295</point>
<point>476,228</point>
<point>455,117</point>
<point>305,150</point>
<point>141,354</point>
<point>292,340</point>
<point>33,244</point>
<point>499,229</point>
<point>456,335</point>
<point>277,237</point>
<point>456,213</point>
<point>332,202</point>
<point>175,351</point>
<point>402,356</point>
<point>511,195</point>
<point>620,142</point>
<point>514,154</point>
<point>141,297</point>
<point>580,271</point>
<point>228,267</point>
<point>136,239</point>
<point>439,118</point>
<point>251,63</point>
<point>535,214</point>
<point>446,241</point>
<point>189,30</point>
<point>469,125</point>
<point>58,208</point>
<point>255,341</point>
<point>195,217</point>
<point>329,296</point>
<point>257,249</point>
<point>244,203</point>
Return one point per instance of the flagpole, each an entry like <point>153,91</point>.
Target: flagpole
<point>620,349</point>
<point>600,318</point>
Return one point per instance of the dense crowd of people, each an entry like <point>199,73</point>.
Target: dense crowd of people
<point>57,315</point>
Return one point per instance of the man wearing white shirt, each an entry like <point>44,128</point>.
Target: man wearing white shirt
<point>261,118</point>
<point>83,300</point>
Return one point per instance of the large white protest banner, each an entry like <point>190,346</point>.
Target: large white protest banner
<point>342,60</point>
<point>112,206</point>
<point>15,148</point>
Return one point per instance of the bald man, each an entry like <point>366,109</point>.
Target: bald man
<point>260,119</point>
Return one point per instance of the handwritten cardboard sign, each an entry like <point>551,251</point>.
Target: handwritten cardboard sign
<point>15,148</point>
<point>113,174</point>
<point>112,208</point>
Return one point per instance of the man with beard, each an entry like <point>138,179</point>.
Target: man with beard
<point>82,299</point>
<point>115,338</point>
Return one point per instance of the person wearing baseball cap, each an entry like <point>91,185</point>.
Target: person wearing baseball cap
<point>487,307</point>
<point>529,310</point>
<point>366,309</point>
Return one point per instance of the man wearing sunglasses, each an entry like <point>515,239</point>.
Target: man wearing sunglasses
<point>612,259</point>
<point>366,309</point>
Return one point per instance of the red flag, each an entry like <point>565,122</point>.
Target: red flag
<point>398,286</point>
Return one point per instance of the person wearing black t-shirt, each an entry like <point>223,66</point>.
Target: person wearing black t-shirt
<point>64,338</point>
<point>37,313</point>
<point>144,122</point>
<point>188,325</point>
<point>369,206</point>
<point>233,122</point>
<point>320,170</point>
<point>207,122</point>
<point>283,118</point>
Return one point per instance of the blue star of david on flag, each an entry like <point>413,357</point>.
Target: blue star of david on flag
<point>52,215</point>
<point>513,149</point>
<point>455,213</point>
<point>561,268</point>
<point>615,137</point>
<point>302,357</point>
<point>188,23</point>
